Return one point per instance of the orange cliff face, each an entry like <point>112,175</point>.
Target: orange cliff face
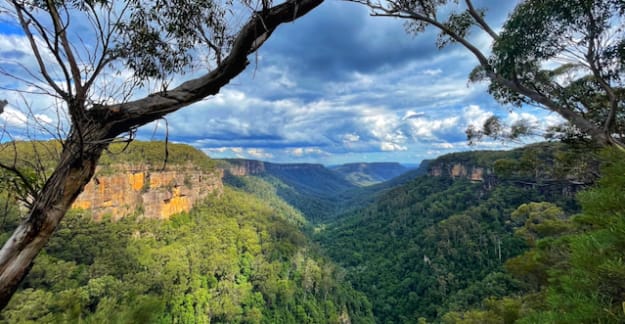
<point>152,194</point>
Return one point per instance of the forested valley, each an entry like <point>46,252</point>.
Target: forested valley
<point>530,235</point>
<point>100,227</point>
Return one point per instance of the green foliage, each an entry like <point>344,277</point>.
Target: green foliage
<point>436,245</point>
<point>156,155</point>
<point>314,190</point>
<point>575,272</point>
<point>429,246</point>
<point>540,220</point>
<point>156,38</point>
<point>366,174</point>
<point>233,259</point>
<point>26,166</point>
<point>539,31</point>
<point>268,193</point>
<point>9,215</point>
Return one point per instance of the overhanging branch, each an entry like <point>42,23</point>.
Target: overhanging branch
<point>260,26</point>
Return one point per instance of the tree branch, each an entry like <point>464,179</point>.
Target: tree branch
<point>260,26</point>
<point>481,22</point>
<point>33,45</point>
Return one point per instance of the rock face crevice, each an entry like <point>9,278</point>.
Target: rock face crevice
<point>148,193</point>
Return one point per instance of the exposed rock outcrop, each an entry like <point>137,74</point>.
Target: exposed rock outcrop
<point>241,167</point>
<point>152,194</point>
<point>459,170</point>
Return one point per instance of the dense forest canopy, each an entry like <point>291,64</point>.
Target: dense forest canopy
<point>233,259</point>
<point>153,40</point>
<point>564,56</point>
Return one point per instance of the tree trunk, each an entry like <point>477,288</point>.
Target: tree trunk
<point>94,129</point>
<point>75,169</point>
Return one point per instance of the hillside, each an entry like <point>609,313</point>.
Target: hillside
<point>366,174</point>
<point>231,258</point>
<point>453,240</point>
<point>311,188</point>
<point>438,242</point>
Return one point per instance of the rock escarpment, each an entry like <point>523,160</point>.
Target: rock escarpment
<point>127,189</point>
<point>460,170</point>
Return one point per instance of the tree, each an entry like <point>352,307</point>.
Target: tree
<point>584,40</point>
<point>155,40</point>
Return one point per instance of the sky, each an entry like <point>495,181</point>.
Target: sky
<point>333,87</point>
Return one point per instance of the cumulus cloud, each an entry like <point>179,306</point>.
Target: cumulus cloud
<point>428,128</point>
<point>324,88</point>
<point>259,153</point>
<point>475,115</point>
<point>447,146</point>
<point>351,138</point>
<point>306,151</point>
<point>13,117</point>
<point>390,146</point>
<point>552,120</point>
<point>515,117</point>
<point>432,72</point>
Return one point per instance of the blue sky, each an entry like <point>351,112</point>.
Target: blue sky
<point>335,86</point>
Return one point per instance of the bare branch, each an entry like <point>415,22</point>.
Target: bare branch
<point>480,20</point>
<point>35,48</point>
<point>132,114</point>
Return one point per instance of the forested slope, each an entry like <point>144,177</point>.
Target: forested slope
<point>474,237</point>
<point>366,174</point>
<point>574,271</point>
<point>439,243</point>
<point>312,189</point>
<point>232,259</point>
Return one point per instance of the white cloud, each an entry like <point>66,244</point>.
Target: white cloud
<point>412,114</point>
<point>259,153</point>
<point>351,138</point>
<point>306,151</point>
<point>390,146</point>
<point>426,128</point>
<point>297,151</point>
<point>432,72</point>
<point>44,119</point>
<point>552,120</point>
<point>13,117</point>
<point>514,117</point>
<point>446,146</point>
<point>217,149</point>
<point>475,115</point>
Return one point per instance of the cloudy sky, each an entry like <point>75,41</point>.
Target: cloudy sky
<point>335,86</point>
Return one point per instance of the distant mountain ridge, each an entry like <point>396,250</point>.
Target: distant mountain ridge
<point>315,178</point>
<point>311,188</point>
<point>365,174</point>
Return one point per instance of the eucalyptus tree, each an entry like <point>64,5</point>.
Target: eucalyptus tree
<point>565,56</point>
<point>79,46</point>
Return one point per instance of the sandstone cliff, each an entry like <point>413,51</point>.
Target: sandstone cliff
<point>460,170</point>
<point>551,167</point>
<point>129,189</point>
